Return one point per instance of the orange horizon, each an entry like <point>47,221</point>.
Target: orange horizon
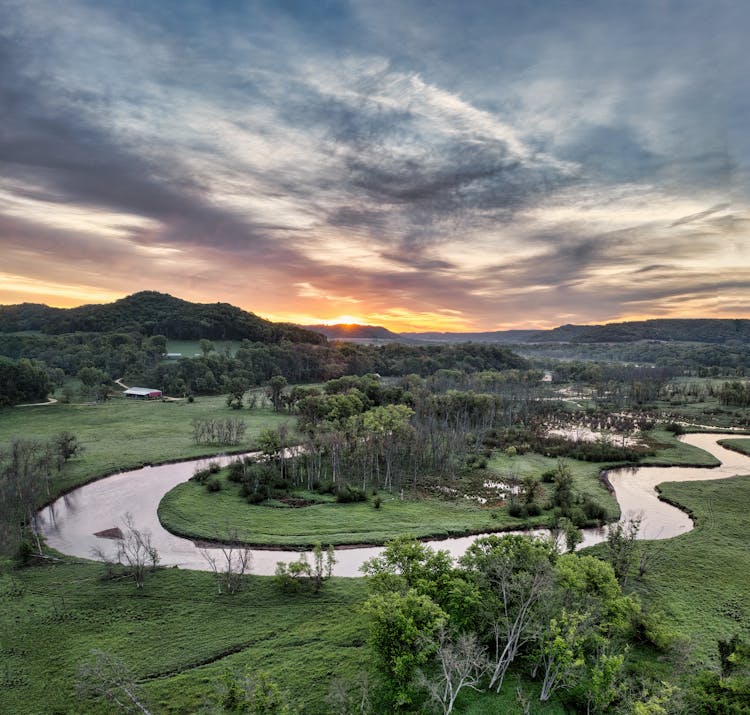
<point>407,321</point>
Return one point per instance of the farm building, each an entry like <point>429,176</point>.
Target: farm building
<point>143,393</point>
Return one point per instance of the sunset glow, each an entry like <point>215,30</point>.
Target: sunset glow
<point>421,166</point>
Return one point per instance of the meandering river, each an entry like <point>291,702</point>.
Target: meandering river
<point>71,523</point>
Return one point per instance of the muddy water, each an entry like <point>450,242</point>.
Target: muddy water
<point>71,523</point>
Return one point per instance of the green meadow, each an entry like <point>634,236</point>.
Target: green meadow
<point>126,434</point>
<point>699,581</point>
<point>190,510</point>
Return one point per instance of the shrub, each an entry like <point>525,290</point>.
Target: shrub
<point>533,509</point>
<point>213,485</point>
<point>516,509</point>
<point>594,511</point>
<point>377,502</point>
<point>200,475</point>
<point>350,494</point>
<point>236,472</point>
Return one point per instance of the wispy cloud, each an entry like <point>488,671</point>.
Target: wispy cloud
<point>479,166</point>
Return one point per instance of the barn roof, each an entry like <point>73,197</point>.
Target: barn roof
<point>145,391</point>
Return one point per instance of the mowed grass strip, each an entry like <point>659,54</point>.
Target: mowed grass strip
<point>126,434</point>
<point>700,580</point>
<point>177,636</point>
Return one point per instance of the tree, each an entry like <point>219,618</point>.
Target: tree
<point>293,575</point>
<point>347,698</point>
<point>253,693</point>
<point>388,425</point>
<point>561,651</point>
<point>461,663</point>
<point>134,551</point>
<point>274,390</point>
<point>66,447</point>
<point>22,381</point>
<point>406,563</point>
<point>235,563</point>
<point>26,467</point>
<point>514,573</point>
<point>621,546</point>
<point>92,376</point>
<point>107,677</point>
<point>402,628</point>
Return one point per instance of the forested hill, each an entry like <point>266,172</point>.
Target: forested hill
<point>343,331</point>
<point>699,330</point>
<point>153,313</point>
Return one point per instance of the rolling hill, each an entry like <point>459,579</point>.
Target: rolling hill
<point>153,313</point>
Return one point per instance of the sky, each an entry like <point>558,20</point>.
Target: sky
<point>426,165</point>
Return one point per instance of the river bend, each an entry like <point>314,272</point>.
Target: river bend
<point>71,523</point>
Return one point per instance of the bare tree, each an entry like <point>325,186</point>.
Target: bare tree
<point>461,664</point>
<point>350,698</point>
<point>106,676</point>
<point>134,551</point>
<point>230,564</point>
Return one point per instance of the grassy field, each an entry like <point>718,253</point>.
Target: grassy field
<point>189,510</point>
<point>738,445</point>
<point>699,580</point>
<point>126,434</point>
<point>191,348</point>
<point>177,636</point>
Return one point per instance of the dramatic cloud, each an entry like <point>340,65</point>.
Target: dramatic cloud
<point>407,162</point>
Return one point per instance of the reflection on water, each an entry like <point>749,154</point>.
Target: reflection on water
<point>70,523</point>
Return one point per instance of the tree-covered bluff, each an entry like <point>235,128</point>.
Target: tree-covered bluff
<point>153,313</point>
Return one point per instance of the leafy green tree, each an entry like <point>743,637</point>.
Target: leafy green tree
<point>388,426</point>
<point>274,390</point>
<point>726,692</point>
<point>403,627</point>
<point>92,376</point>
<point>514,574</point>
<point>405,564</point>
<point>22,381</point>
<point>622,547</point>
<point>561,651</point>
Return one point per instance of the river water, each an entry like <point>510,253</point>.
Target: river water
<point>71,523</point>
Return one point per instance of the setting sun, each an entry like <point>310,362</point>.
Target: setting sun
<point>345,320</point>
